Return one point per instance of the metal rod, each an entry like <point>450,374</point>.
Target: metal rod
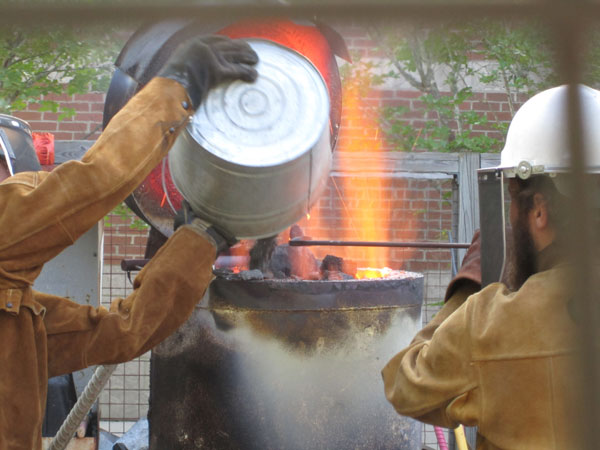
<point>301,243</point>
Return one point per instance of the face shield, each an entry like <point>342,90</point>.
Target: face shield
<point>16,145</point>
<point>493,224</point>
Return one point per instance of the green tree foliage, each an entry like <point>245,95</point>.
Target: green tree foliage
<point>37,62</point>
<point>447,64</point>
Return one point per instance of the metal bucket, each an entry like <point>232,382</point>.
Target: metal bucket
<point>284,364</point>
<point>256,156</point>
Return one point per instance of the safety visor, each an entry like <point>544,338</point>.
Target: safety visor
<point>493,213</point>
<point>16,145</point>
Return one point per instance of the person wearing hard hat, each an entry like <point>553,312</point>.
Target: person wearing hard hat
<point>504,358</point>
<point>43,212</point>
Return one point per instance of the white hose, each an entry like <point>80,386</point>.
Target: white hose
<point>82,407</point>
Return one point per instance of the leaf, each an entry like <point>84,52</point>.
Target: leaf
<point>37,62</point>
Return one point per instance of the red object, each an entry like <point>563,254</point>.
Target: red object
<point>44,147</point>
<point>305,39</point>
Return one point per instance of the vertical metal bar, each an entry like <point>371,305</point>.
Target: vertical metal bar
<point>468,216</point>
<point>570,46</point>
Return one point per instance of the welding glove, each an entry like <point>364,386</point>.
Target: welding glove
<point>186,217</point>
<point>470,270</point>
<point>201,63</point>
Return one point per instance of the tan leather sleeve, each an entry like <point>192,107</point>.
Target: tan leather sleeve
<point>45,212</point>
<point>434,370</point>
<point>164,296</point>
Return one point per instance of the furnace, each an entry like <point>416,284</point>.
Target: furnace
<point>286,364</point>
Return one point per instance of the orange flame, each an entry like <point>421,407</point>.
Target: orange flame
<point>368,219</point>
<point>358,203</point>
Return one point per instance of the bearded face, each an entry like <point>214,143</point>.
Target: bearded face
<point>522,262</point>
<point>522,255</point>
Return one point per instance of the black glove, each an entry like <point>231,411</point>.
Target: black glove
<point>185,216</point>
<point>203,62</point>
<point>470,270</point>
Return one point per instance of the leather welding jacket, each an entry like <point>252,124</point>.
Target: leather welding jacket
<point>502,361</point>
<point>43,335</point>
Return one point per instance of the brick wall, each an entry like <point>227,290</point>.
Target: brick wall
<point>124,238</point>
<point>84,125</point>
<point>399,209</point>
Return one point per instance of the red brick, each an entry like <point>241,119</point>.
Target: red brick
<point>91,97</point>
<point>109,249</point>
<point>506,107</point>
<point>432,235</point>
<point>116,239</point>
<point>419,184</point>
<point>414,194</point>
<point>433,194</point>
<point>89,117</point>
<point>140,240</point>
<point>405,94</point>
<point>437,255</point>
<point>43,126</point>
<point>131,250</point>
<point>58,97</point>
<point>496,97</point>
<point>28,115</point>
<point>418,266</point>
<point>394,102</point>
<point>486,106</point>
<point>77,106</point>
<point>418,205</point>
<point>72,126</point>
<point>97,107</point>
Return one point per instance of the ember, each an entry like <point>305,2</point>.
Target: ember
<point>369,272</point>
<point>267,260</point>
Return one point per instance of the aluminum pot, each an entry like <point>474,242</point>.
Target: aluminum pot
<point>256,156</point>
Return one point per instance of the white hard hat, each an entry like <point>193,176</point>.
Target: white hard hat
<point>538,141</point>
